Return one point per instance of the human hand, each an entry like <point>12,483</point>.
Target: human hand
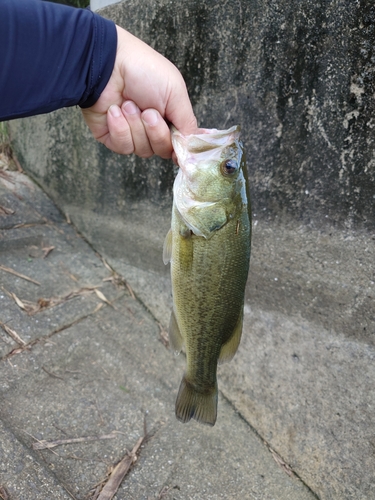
<point>144,91</point>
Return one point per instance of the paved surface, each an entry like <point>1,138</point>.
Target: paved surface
<point>80,357</point>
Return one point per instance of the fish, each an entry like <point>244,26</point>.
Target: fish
<point>208,247</point>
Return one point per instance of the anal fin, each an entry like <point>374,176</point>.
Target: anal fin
<point>229,349</point>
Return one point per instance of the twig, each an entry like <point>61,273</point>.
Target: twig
<point>102,422</point>
<point>106,265</point>
<point>51,374</point>
<point>18,165</point>
<point>3,493</point>
<point>59,429</point>
<point>6,211</point>
<point>18,350</point>
<point>68,490</point>
<point>28,224</point>
<point>47,338</point>
<point>38,441</point>
<point>118,280</point>
<point>6,339</point>
<point>95,494</point>
<point>33,308</point>
<point>4,174</point>
<point>145,431</point>
<point>12,334</point>
<point>11,271</point>
<point>43,444</point>
<point>165,490</point>
<point>281,462</point>
<point>164,338</point>
<point>130,290</point>
<point>119,472</point>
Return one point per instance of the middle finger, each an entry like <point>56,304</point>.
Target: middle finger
<point>141,143</point>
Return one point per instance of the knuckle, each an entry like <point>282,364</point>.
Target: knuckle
<point>125,146</point>
<point>145,154</point>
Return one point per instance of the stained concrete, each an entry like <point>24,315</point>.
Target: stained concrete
<point>298,77</point>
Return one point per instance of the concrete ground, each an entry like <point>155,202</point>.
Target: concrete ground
<point>85,372</point>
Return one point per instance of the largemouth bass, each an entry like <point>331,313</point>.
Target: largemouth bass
<point>208,246</point>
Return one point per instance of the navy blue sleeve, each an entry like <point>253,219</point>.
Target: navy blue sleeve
<point>52,56</point>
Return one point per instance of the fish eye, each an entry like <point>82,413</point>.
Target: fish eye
<point>229,167</point>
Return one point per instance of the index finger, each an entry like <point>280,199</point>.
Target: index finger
<point>158,133</point>
<point>179,111</point>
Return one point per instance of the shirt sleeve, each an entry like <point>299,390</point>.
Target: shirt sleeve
<point>52,56</point>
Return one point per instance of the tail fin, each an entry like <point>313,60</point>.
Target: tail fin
<point>192,404</point>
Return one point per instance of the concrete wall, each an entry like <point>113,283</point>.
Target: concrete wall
<point>298,77</point>
<point>99,4</point>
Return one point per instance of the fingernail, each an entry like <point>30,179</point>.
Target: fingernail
<point>130,108</point>
<point>115,111</point>
<point>150,117</point>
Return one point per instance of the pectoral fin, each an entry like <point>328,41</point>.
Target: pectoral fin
<point>167,248</point>
<point>229,349</point>
<point>176,340</point>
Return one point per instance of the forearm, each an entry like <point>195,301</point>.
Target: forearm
<point>52,56</point>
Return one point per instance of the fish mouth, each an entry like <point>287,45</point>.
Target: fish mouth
<point>208,142</point>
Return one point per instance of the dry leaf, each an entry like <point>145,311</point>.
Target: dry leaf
<point>119,472</point>
<point>25,305</point>
<point>43,303</point>
<point>102,296</point>
<point>47,251</point>
<point>18,301</point>
<point>97,308</point>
